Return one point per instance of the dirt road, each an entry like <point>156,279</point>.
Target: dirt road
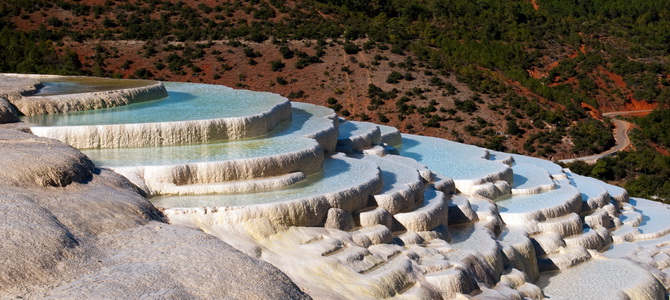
<point>620,132</point>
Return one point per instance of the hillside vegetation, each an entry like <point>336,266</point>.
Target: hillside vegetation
<point>506,75</point>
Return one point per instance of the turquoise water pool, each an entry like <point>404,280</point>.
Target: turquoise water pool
<point>186,102</point>
<point>337,175</point>
<point>448,158</point>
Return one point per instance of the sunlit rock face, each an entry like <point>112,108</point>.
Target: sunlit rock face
<point>356,210</point>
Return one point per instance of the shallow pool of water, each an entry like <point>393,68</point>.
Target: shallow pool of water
<point>289,136</point>
<point>528,176</point>
<point>527,203</point>
<point>173,155</point>
<point>185,102</point>
<point>337,175</point>
<point>75,85</point>
<point>458,161</point>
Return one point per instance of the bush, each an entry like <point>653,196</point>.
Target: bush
<point>143,73</point>
<point>351,48</point>
<point>434,121</point>
<point>383,118</point>
<point>55,22</point>
<point>513,128</point>
<point>295,95</point>
<point>251,53</point>
<point>394,77</point>
<point>277,65</point>
<point>467,106</point>
<point>306,61</point>
<point>286,52</point>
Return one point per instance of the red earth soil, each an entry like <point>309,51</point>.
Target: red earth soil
<point>594,112</point>
<point>659,149</point>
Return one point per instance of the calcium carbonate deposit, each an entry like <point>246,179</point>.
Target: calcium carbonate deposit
<point>354,210</point>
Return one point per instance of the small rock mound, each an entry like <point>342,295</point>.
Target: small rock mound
<point>28,160</point>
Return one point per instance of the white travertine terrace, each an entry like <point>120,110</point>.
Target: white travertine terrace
<point>122,92</point>
<point>529,179</point>
<point>168,133</point>
<point>36,105</point>
<point>554,170</point>
<point>439,220</point>
<point>468,178</point>
<point>167,122</point>
<point>299,155</point>
<point>356,136</point>
<point>390,135</point>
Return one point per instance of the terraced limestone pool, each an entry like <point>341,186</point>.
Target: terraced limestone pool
<point>186,102</point>
<point>193,182</point>
<point>546,200</point>
<point>338,175</point>
<point>171,155</point>
<point>75,85</point>
<point>289,136</point>
<point>447,158</point>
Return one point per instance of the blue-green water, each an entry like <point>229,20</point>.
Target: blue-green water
<point>338,174</point>
<point>186,102</point>
<point>458,161</point>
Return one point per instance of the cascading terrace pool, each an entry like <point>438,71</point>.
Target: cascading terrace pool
<point>265,175</point>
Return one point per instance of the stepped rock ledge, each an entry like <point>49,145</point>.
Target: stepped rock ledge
<point>286,201</point>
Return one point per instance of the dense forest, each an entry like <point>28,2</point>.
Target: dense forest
<point>538,74</point>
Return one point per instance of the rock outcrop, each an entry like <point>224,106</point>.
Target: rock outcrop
<point>69,229</point>
<point>7,112</point>
<point>29,160</point>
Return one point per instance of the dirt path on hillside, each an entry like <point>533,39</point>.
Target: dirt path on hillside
<point>620,133</point>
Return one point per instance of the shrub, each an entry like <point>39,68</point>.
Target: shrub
<point>394,77</point>
<point>277,65</point>
<point>143,73</point>
<point>383,118</point>
<point>467,106</point>
<point>351,48</point>
<point>251,53</point>
<point>295,95</point>
<point>286,52</point>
